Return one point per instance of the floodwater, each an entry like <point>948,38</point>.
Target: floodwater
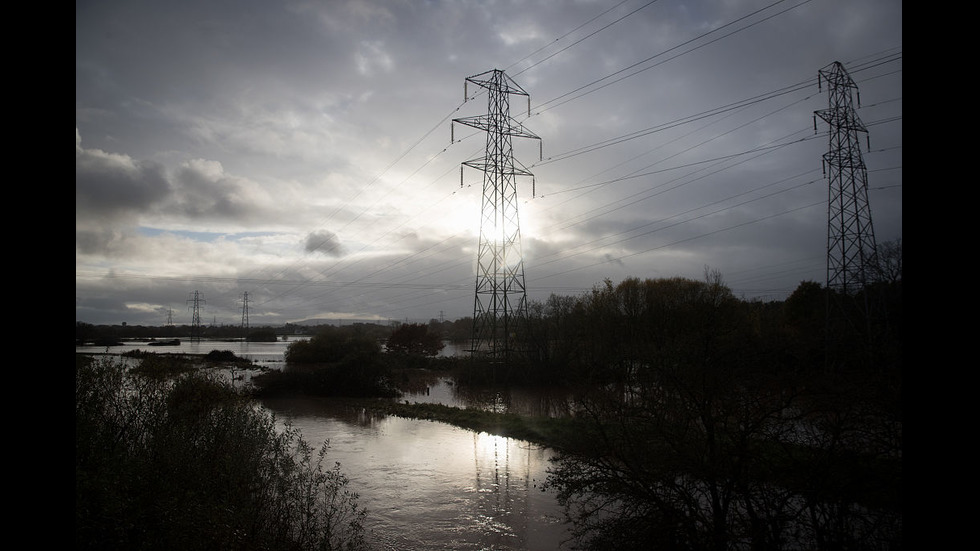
<point>426,485</point>
<point>432,486</point>
<point>263,354</point>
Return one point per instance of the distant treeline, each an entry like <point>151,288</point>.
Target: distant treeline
<point>87,333</point>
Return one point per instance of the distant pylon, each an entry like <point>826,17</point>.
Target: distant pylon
<point>196,317</point>
<point>245,314</point>
<point>852,253</point>
<point>500,301</point>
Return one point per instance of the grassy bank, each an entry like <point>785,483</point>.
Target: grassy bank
<point>551,432</point>
<point>873,481</point>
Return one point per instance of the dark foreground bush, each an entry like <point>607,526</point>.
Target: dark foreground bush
<point>191,464</point>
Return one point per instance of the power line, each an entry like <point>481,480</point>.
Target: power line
<point>545,106</point>
<point>535,52</point>
<point>590,35</point>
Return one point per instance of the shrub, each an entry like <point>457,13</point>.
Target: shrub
<point>414,339</point>
<point>332,346</point>
<point>189,463</point>
<point>332,363</point>
<point>262,335</point>
<point>221,356</point>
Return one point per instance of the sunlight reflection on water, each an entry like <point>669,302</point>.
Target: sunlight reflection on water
<point>429,485</point>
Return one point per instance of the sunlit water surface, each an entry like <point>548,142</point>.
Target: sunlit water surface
<point>429,485</point>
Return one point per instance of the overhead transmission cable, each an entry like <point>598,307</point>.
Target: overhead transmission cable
<point>637,173</point>
<point>535,52</point>
<point>676,122</point>
<point>564,255</point>
<point>375,180</point>
<point>586,37</point>
<point>692,238</point>
<point>546,105</point>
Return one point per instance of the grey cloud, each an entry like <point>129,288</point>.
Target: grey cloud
<point>108,185</point>
<point>324,242</point>
<point>203,190</point>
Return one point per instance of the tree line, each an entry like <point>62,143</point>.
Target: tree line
<point>719,423</point>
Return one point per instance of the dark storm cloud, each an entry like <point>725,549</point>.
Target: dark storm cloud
<point>115,186</point>
<point>324,242</point>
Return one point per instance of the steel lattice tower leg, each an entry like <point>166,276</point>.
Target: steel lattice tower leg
<point>500,301</point>
<point>852,253</point>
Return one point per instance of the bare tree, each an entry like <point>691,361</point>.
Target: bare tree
<point>890,260</point>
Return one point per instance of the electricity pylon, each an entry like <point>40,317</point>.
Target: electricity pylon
<point>500,300</point>
<point>852,253</point>
<point>245,315</point>
<point>196,317</point>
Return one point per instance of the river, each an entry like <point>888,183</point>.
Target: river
<point>426,485</point>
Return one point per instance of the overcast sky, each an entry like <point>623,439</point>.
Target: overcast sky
<point>302,152</point>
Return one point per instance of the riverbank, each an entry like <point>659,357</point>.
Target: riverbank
<point>555,433</point>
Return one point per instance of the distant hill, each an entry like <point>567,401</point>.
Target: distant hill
<point>323,321</point>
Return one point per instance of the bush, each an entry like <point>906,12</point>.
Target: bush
<point>414,339</point>
<point>351,377</point>
<point>189,463</point>
<point>262,335</point>
<point>332,363</point>
<point>332,346</point>
<point>221,356</point>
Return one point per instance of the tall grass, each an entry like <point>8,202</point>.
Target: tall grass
<point>189,463</point>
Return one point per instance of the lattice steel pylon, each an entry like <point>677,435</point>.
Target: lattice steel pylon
<point>852,253</point>
<point>500,300</point>
<point>196,317</point>
<point>245,315</point>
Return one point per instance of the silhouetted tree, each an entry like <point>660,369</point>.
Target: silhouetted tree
<point>415,339</point>
<point>334,362</point>
<point>890,260</point>
<point>710,442</point>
